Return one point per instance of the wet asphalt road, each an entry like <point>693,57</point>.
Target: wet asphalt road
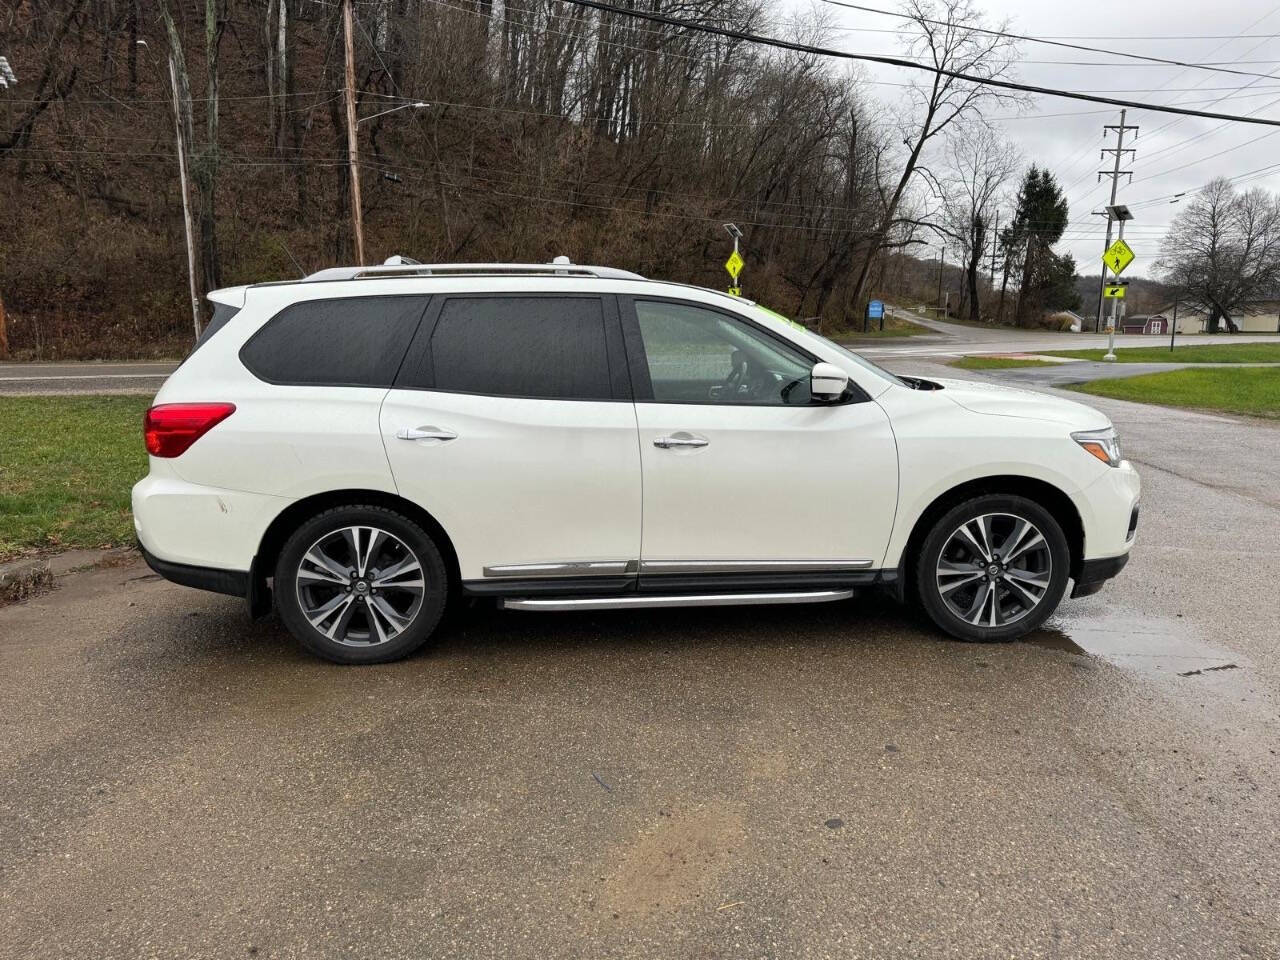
<point>826,781</point>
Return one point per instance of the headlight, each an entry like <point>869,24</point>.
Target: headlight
<point>1102,444</point>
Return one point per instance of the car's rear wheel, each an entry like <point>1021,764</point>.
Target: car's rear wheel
<point>360,584</point>
<point>993,568</point>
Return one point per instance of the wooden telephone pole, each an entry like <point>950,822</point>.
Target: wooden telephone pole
<point>186,195</point>
<point>353,156</point>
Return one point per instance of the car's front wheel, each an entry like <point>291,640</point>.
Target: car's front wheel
<point>993,568</point>
<point>360,584</point>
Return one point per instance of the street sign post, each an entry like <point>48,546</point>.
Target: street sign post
<point>1118,256</point>
<point>875,311</point>
<point>735,263</point>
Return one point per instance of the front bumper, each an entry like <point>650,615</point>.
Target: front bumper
<point>1109,512</point>
<point>1095,573</point>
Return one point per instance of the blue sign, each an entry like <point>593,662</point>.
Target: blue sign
<point>875,310</point>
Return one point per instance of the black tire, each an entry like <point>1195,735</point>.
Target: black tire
<point>1013,586</point>
<point>360,639</point>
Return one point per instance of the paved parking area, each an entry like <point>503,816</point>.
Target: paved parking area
<point>828,781</point>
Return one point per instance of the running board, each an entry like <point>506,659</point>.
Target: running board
<point>634,601</point>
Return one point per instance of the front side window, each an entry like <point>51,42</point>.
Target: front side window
<point>696,355</point>
<point>346,342</point>
<point>549,348</point>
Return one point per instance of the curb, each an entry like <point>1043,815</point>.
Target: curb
<point>23,579</point>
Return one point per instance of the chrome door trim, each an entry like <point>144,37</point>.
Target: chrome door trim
<point>573,568</point>
<point>637,601</point>
<point>752,566</point>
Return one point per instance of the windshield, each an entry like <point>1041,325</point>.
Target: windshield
<point>844,351</point>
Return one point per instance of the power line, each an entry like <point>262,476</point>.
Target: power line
<point>1198,85</point>
<point>899,62</point>
<point>1217,68</point>
<point>1173,123</point>
<point>1104,36</point>
<point>1255,174</point>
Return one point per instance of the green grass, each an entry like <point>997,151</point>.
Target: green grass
<point>1199,353</point>
<point>1252,391</point>
<point>997,363</point>
<point>66,467</point>
<point>906,330</point>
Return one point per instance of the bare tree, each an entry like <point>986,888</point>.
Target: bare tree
<point>1224,250</point>
<point>979,165</point>
<point>948,38</point>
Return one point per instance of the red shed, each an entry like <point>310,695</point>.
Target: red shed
<point>1155,324</point>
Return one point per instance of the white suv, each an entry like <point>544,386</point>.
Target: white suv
<point>366,444</point>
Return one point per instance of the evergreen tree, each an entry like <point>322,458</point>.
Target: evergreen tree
<point>1039,222</point>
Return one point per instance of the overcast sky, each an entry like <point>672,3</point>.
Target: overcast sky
<point>1065,135</point>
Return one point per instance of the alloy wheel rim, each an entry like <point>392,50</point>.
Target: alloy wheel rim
<point>994,569</point>
<point>360,586</point>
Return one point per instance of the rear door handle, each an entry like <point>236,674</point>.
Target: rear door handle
<point>680,439</point>
<point>425,433</point>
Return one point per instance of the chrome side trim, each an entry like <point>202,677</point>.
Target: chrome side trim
<point>635,601</point>
<point>752,566</point>
<point>579,568</point>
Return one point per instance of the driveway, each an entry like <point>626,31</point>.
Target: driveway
<point>794,782</point>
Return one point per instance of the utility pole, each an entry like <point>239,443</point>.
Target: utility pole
<point>7,79</point>
<point>353,156</point>
<point>1115,173</point>
<point>942,259</point>
<point>186,199</point>
<point>995,244</point>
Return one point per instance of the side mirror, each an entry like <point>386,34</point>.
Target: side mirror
<point>827,382</point>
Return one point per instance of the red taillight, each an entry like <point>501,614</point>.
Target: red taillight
<point>172,427</point>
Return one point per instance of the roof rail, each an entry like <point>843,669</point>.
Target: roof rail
<point>387,271</point>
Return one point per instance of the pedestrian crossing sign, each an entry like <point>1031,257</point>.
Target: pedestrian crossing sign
<point>734,265</point>
<point>1118,256</point>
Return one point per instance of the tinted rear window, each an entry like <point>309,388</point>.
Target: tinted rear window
<point>349,342</point>
<point>549,348</point>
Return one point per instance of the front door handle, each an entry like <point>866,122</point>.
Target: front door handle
<point>425,433</point>
<point>680,439</point>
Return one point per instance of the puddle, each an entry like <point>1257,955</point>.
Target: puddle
<point>1149,645</point>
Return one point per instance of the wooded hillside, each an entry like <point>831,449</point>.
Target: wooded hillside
<point>518,130</point>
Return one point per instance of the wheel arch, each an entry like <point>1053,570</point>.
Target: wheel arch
<point>298,512</point>
<point>1052,498</point>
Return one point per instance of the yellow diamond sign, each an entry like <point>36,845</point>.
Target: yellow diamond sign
<point>1113,291</point>
<point>1118,256</point>
<point>734,264</point>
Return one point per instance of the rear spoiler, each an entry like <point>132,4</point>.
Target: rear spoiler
<point>231,296</point>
